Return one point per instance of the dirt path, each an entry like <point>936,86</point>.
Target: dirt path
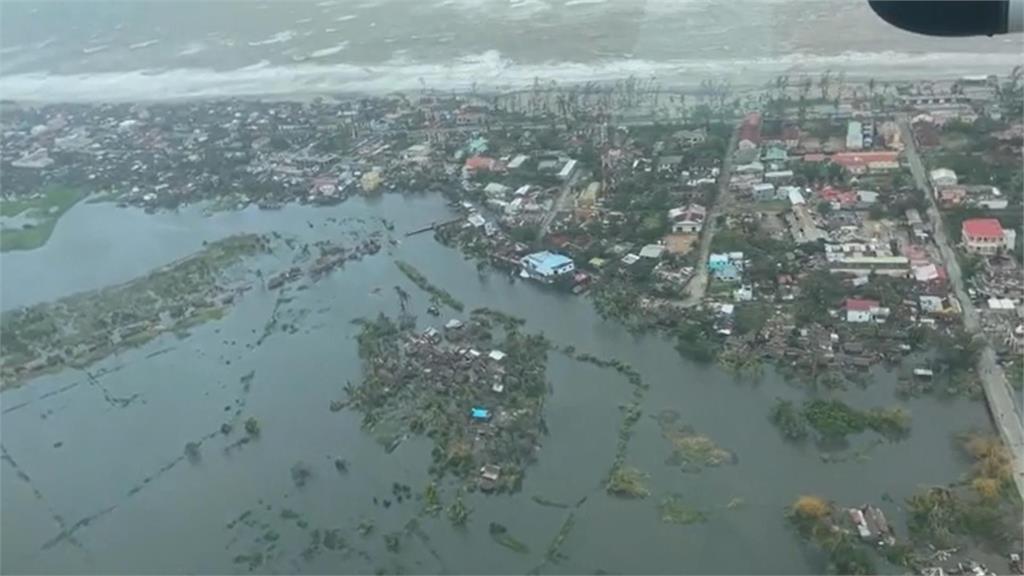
<point>698,284</point>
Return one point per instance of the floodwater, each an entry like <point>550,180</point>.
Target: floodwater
<point>103,457</point>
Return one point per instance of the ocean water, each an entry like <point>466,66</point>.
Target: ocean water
<point>102,49</point>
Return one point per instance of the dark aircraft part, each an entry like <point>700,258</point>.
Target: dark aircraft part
<point>953,17</point>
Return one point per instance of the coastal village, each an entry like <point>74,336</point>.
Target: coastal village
<point>820,226</point>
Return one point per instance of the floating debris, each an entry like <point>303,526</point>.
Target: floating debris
<point>301,473</point>
<point>192,451</point>
<point>252,426</point>
<point>549,503</point>
<point>499,533</point>
<point>392,541</point>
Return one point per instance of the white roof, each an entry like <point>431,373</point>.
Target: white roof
<point>630,259</point>
<point>795,197</point>
<point>518,161</point>
<point>567,169</point>
<point>1000,304</point>
<point>926,273</point>
<point>495,188</point>
<point>497,355</point>
<point>652,251</point>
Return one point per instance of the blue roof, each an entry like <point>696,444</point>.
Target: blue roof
<point>481,413</point>
<point>547,261</point>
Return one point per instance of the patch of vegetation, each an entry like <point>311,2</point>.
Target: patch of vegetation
<point>44,210</point>
<point>992,473</point>
<point>627,482</point>
<point>84,328</point>
<point>690,448</point>
<point>421,282</point>
<point>458,512</point>
<point>554,553</point>
<point>787,418</point>
<point>820,292</point>
<point>431,500</point>
<point>751,317</point>
<point>942,518</point>
<point>673,510</point>
<point>835,420</point>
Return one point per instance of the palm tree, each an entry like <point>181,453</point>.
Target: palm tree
<point>823,83</point>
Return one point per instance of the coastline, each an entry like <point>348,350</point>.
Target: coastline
<point>487,73</point>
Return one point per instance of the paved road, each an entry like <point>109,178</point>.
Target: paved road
<point>558,205</point>
<point>998,394</point>
<point>698,283</point>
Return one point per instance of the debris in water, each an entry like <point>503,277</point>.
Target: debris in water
<point>499,533</point>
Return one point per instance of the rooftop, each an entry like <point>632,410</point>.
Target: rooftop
<point>860,304</point>
<point>547,261</point>
<point>983,227</point>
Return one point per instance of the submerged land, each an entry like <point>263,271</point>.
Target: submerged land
<point>820,229</point>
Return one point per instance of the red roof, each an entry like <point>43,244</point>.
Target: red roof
<point>751,128</point>
<point>844,197</point>
<point>849,159</point>
<point>815,157</point>
<point>861,305</point>
<point>480,163</point>
<point>983,228</point>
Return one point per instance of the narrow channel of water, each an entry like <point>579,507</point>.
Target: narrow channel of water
<point>107,453</point>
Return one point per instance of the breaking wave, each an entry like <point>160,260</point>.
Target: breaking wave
<point>143,44</point>
<point>324,52</point>
<point>485,71</point>
<point>278,38</point>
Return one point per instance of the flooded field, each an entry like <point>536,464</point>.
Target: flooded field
<point>97,477</point>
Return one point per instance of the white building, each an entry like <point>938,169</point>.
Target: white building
<point>687,219</point>
<point>567,170</point>
<point>854,136</point>
<point>943,177</point>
